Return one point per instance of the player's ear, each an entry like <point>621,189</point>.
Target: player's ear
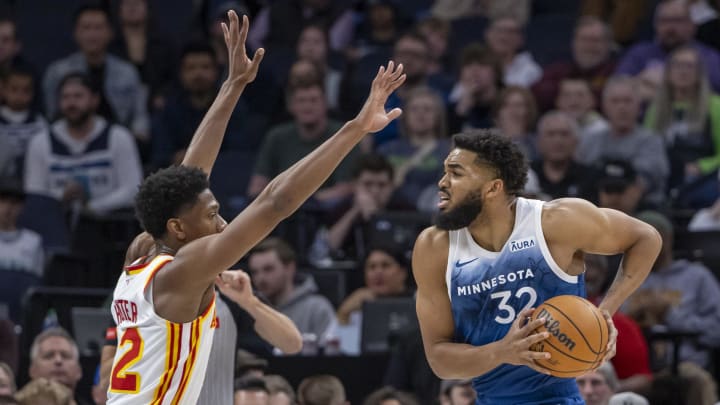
<point>495,188</point>
<point>175,228</point>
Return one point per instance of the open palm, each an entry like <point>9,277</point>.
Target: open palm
<point>240,67</point>
<point>373,117</point>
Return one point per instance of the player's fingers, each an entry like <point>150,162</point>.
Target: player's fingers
<point>526,313</point>
<point>226,33</point>
<point>390,69</point>
<point>533,355</point>
<point>244,30</point>
<point>257,58</point>
<point>534,338</point>
<point>394,113</point>
<point>398,71</point>
<point>531,325</point>
<point>540,369</point>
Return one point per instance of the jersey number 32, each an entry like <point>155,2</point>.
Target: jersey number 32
<point>507,312</point>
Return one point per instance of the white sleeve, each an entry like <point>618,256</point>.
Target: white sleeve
<point>36,166</point>
<point>128,172</point>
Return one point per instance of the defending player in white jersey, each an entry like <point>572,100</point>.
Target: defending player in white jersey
<point>163,305</point>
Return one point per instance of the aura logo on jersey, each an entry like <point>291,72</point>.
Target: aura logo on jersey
<point>522,244</point>
<point>491,283</point>
<point>553,327</point>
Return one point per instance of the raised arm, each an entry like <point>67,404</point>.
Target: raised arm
<point>198,262</point>
<point>450,360</point>
<point>573,225</point>
<point>208,137</point>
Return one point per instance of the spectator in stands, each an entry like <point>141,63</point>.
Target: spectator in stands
<point>619,187</point>
<point>19,121</point>
<point>7,380</point>
<point>559,174</point>
<point>251,391</point>
<point>673,29</point>
<point>321,389</point>
<point>46,392</point>
<point>686,114</point>
<point>122,97</point>
<point>279,24</point>
<point>707,219</point>
<point>592,61</point>
<point>8,400</point>
<point>8,164</point>
<point>454,9</point>
<point>625,17</point>
<point>22,249</point>
<point>625,140</point>
<point>312,46</point>
<point>515,114</point>
<point>152,55</point>
<point>457,392</point>
<point>372,194</point>
<point>408,369</point>
<point>414,53</point>
<point>84,160</point>
<point>386,275</point>
<point>378,30</point>
<point>505,38</point>
<point>417,156</point>
<point>631,360</point>
<point>474,94</point>
<point>54,355</point>
<point>285,144</point>
<point>272,267</point>
<point>596,387</point>
<point>576,99</point>
<point>281,392</point>
<point>389,396</point>
<point>437,34</point>
<point>10,47</point>
<point>681,295</point>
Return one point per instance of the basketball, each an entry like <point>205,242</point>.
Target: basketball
<point>578,335</point>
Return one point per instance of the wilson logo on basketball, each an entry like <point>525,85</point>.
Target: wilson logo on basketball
<point>553,327</point>
<point>521,244</point>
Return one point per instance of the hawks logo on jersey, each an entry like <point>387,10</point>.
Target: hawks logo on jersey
<point>157,362</point>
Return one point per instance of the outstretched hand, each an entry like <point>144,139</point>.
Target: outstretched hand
<point>241,68</point>
<point>373,117</point>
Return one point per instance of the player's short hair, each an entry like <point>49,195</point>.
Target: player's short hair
<point>165,193</point>
<point>498,151</point>
<point>50,333</point>
<point>285,252</point>
<point>323,389</point>
<point>91,8</point>
<point>372,162</point>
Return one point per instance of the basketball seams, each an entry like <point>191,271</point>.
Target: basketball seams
<point>580,332</point>
<point>600,327</point>
<point>567,355</point>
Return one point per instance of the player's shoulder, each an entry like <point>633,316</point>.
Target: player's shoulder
<point>565,208</point>
<point>142,245</point>
<point>433,237</point>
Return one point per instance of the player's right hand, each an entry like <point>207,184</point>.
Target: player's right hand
<point>515,346</point>
<point>373,117</point>
<point>240,68</point>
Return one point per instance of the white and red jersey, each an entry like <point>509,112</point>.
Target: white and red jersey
<point>158,362</point>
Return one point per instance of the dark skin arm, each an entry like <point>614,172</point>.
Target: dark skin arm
<point>182,288</point>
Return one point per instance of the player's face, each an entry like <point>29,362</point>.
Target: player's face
<point>269,274</point>
<point>461,189</point>
<point>57,360</point>
<point>383,275</point>
<point>251,398</point>
<point>594,389</point>
<point>18,92</point>
<point>202,219</point>
<point>462,395</point>
<point>92,32</point>
<point>77,103</point>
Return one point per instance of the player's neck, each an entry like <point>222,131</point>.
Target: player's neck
<point>492,228</point>
<point>163,247</point>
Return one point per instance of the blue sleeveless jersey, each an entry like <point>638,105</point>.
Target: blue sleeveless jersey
<point>488,289</point>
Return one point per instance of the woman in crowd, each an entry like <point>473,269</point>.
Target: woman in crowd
<point>515,115</point>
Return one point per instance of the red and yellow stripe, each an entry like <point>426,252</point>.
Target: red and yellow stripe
<point>196,329</point>
<point>172,353</point>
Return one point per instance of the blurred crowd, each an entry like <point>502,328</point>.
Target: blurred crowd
<point>616,102</point>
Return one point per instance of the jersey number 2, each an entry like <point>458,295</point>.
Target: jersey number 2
<point>510,311</point>
<point>121,380</point>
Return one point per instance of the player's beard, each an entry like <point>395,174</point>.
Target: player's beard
<point>462,215</point>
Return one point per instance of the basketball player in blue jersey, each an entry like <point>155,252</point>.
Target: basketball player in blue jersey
<point>493,256</point>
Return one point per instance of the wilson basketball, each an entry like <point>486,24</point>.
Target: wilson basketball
<point>578,335</point>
